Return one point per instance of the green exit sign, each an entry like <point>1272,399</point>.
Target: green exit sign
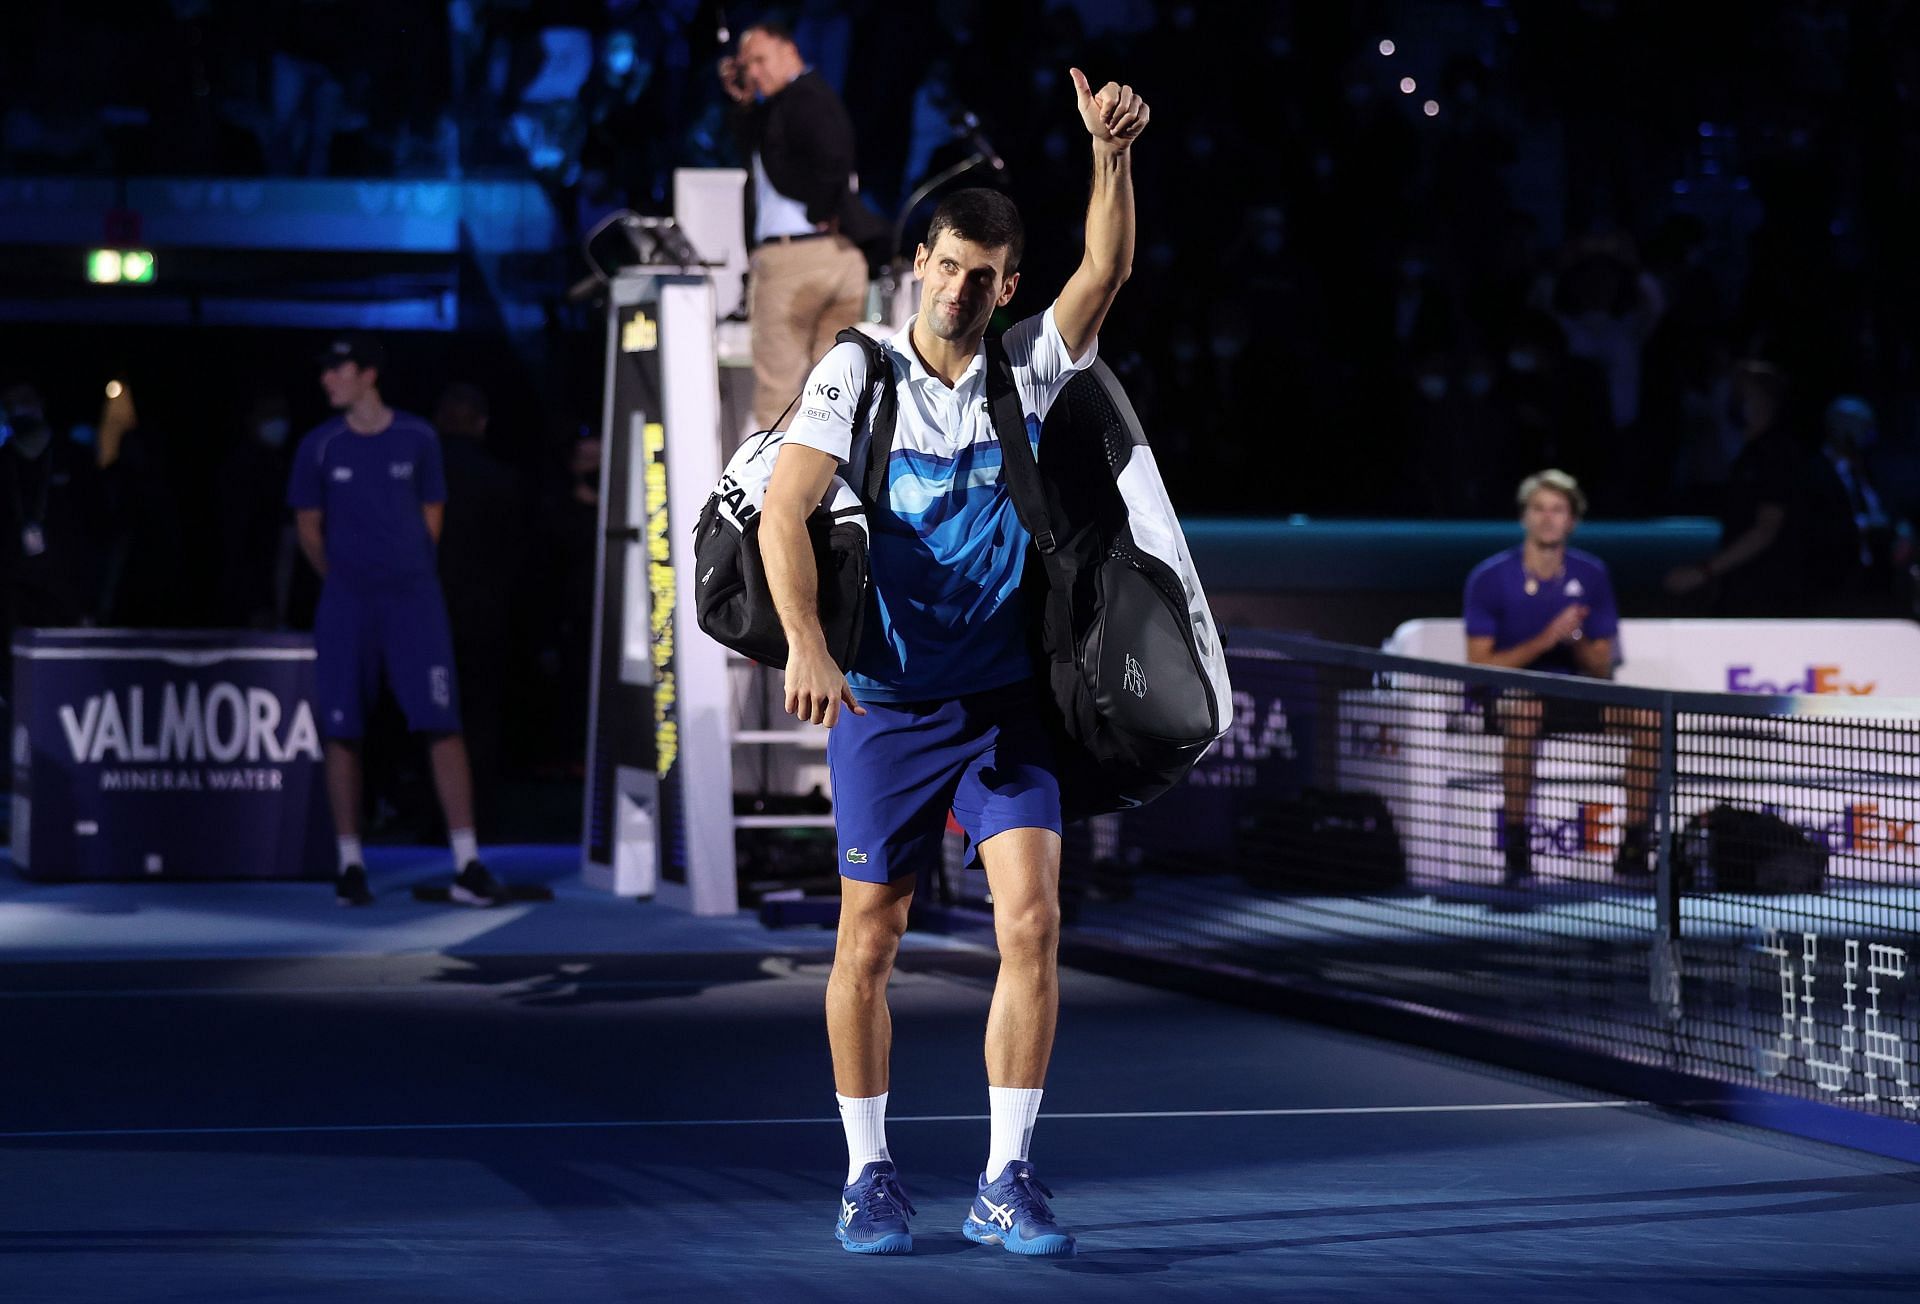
<point>120,266</point>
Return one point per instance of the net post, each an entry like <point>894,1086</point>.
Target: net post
<point>1664,961</point>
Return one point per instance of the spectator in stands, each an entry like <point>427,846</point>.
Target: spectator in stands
<point>1608,307</point>
<point>807,278</point>
<point>47,576</point>
<point>1759,569</point>
<point>144,584</point>
<point>570,531</point>
<point>256,535</point>
<point>1549,607</point>
<point>1848,533</point>
<point>482,546</point>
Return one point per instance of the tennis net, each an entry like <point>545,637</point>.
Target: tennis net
<point>1723,885</point>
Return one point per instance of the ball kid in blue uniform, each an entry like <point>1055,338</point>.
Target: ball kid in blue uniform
<point>369,493</point>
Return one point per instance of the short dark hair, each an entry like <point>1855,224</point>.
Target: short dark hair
<point>986,217</point>
<point>461,407</point>
<point>773,27</point>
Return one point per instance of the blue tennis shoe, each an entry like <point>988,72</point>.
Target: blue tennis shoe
<point>1012,1211</point>
<point>873,1213</point>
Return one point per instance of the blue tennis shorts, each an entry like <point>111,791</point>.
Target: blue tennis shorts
<point>902,766</point>
<point>360,631</point>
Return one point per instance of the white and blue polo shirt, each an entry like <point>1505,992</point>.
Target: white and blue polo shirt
<point>947,548</point>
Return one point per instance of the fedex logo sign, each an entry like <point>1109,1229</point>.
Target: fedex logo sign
<point>1858,829</point>
<point>1869,831</point>
<point>1587,832</point>
<point>1814,679</point>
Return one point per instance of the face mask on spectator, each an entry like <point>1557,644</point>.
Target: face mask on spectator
<point>31,433</point>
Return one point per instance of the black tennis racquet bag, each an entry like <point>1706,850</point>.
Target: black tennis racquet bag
<point>1729,848</point>
<point>732,600</point>
<point>1135,670</point>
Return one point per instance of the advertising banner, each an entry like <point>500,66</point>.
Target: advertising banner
<point>1444,790</point>
<point>1267,752</point>
<point>1782,658</point>
<point>163,754</point>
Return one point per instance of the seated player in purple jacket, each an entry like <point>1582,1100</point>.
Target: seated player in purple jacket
<point>1545,606</point>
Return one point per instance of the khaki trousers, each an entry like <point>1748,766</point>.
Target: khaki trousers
<point>799,296</point>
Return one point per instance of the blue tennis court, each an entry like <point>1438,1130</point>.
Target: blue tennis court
<point>419,1105</point>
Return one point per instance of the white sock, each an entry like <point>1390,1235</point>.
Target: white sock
<point>865,1119</point>
<point>349,852</point>
<point>1013,1110</point>
<point>466,848</point>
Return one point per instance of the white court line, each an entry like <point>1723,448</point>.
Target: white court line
<point>321,1129</point>
<point>533,985</point>
<point>195,657</point>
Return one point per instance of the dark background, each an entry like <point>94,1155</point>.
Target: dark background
<point>1342,304</point>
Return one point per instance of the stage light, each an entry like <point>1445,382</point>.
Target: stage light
<point>1431,108</point>
<point>114,389</point>
<point>1386,48</point>
<point>136,265</point>
<point>103,266</point>
<point>1408,85</point>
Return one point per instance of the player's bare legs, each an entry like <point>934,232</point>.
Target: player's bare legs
<point>1023,870</point>
<point>873,916</point>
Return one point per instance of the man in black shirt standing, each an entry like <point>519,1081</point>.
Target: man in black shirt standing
<point>807,280</point>
<point>482,545</point>
<point>1759,569</point>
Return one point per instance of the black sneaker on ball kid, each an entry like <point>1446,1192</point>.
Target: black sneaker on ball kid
<point>350,887</point>
<point>474,886</point>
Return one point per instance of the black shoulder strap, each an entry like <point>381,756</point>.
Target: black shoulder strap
<point>1016,454</point>
<point>877,401</point>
